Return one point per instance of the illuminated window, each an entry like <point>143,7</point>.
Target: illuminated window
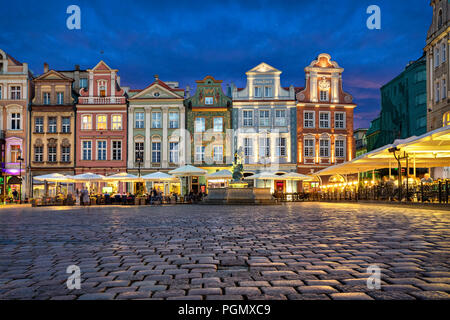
<point>86,122</point>
<point>102,85</point>
<point>117,122</point>
<point>101,122</point>
<point>15,153</point>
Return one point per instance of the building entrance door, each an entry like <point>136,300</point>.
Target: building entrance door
<point>279,186</point>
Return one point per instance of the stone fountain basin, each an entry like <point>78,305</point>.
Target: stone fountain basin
<point>239,196</point>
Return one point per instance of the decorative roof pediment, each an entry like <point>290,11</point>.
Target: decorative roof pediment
<point>157,90</point>
<point>209,94</point>
<point>102,66</point>
<point>52,75</point>
<point>263,68</point>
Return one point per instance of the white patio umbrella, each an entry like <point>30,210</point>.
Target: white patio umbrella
<point>123,177</point>
<point>222,174</point>
<point>159,177</point>
<point>88,177</point>
<point>264,176</point>
<point>188,171</point>
<point>53,177</point>
<point>294,176</point>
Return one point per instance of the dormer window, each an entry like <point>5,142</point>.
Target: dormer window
<point>258,93</point>
<point>102,84</point>
<point>268,92</point>
<point>323,95</point>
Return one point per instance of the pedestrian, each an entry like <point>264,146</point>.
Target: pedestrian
<point>85,196</point>
<point>15,195</point>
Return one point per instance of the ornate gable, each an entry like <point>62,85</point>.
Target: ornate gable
<point>158,90</point>
<point>263,68</point>
<point>209,94</point>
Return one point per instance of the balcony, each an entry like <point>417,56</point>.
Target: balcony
<point>101,100</point>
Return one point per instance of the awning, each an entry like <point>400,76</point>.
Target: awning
<point>222,174</point>
<point>188,171</point>
<point>123,177</point>
<point>158,176</point>
<point>88,177</point>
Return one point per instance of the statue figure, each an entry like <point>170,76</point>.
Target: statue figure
<point>238,167</point>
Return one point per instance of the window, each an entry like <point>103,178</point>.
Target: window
<point>324,119</point>
<point>199,125</point>
<point>444,89</point>
<point>39,154</point>
<point>117,122</point>
<point>86,122</point>
<point>52,124</point>
<point>139,120</point>
<point>86,147</point>
<point>46,98</point>
<point>51,154</point>
<point>60,98</point>
<point>248,118</point>
<point>280,147</point>
<point>83,83</point>
<point>101,150</point>
<point>173,120</point>
<point>15,121</point>
<point>444,52</point>
<point>218,124</point>
<point>65,154</point>
<point>308,149</point>
<point>264,120</point>
<point>323,95</point>
<point>65,125</point>
<point>248,149</point>
<point>264,147</point>
<point>117,150</point>
<point>436,58</point>
<point>437,96</point>
<point>280,118</point>
<point>138,151</point>
<point>156,120</point>
<point>257,92</point>
<point>39,124</point>
<point>218,153</point>
<point>309,121</point>
<point>267,91</point>
<point>324,149</point>
<point>15,93</point>
<point>156,152</point>
<point>209,100</point>
<point>200,153</point>
<point>173,152</point>
<point>102,88</point>
<point>339,148</point>
<point>15,153</point>
<point>1,88</point>
<point>101,122</point>
<point>339,120</point>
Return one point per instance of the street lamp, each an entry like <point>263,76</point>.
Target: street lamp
<point>20,159</point>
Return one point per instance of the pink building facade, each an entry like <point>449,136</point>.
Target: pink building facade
<point>101,124</point>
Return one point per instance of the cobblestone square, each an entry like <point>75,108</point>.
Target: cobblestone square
<point>292,251</point>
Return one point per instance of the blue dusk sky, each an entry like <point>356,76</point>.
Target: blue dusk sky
<point>186,40</point>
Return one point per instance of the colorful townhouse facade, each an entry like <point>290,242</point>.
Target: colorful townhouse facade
<point>52,127</point>
<point>265,122</point>
<point>208,123</point>
<point>15,93</point>
<point>324,117</point>
<point>101,123</point>
<point>156,122</point>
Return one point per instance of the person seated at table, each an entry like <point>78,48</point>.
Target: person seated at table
<point>426,179</point>
<point>175,195</point>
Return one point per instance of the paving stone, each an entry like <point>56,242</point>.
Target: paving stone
<point>97,296</point>
<point>350,296</point>
<point>242,291</point>
<point>316,289</point>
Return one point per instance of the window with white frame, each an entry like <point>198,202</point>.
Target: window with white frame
<point>65,154</point>
<point>436,58</point>
<point>218,124</point>
<point>199,125</point>
<point>199,153</point>
<point>86,122</point>
<point>437,95</point>
<point>323,95</point>
<point>65,124</point>
<point>139,120</point>
<point>218,153</point>
<point>117,122</point>
<point>258,92</point>
<point>280,147</point>
<point>280,118</point>
<point>339,148</point>
<point>46,98</point>
<point>101,122</point>
<point>174,117</point>
<point>16,121</point>
<point>444,89</point>
<point>15,92</point>
<point>173,152</point>
<point>324,147</point>
<point>15,153</point>
<point>247,118</point>
<point>444,51</point>
<point>308,148</point>
<point>60,97</point>
<point>101,150</point>
<point>156,120</point>
<point>308,119</point>
<point>139,151</point>
<point>116,150</point>
<point>52,124</point>
<point>264,118</point>
<point>324,119</point>
<point>39,124</point>
<point>209,100</point>
<point>39,154</point>
<point>268,91</point>
<point>339,120</point>
<point>51,154</point>
<point>264,147</point>
<point>156,152</point>
<point>248,149</point>
<point>86,150</point>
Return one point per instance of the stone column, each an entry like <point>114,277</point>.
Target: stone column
<point>148,138</point>
<point>91,84</point>
<point>164,145</point>
<point>183,144</point>
<point>313,86</point>
<point>335,87</point>
<point>130,137</point>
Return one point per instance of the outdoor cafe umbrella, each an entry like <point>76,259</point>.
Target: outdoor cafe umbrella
<point>188,171</point>
<point>159,176</point>
<point>220,175</point>
<point>264,176</point>
<point>53,177</point>
<point>122,177</point>
<point>294,176</point>
<point>88,177</point>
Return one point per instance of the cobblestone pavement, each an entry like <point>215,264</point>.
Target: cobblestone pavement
<point>293,251</point>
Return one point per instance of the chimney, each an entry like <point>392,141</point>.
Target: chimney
<point>77,67</point>
<point>156,77</point>
<point>45,67</point>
